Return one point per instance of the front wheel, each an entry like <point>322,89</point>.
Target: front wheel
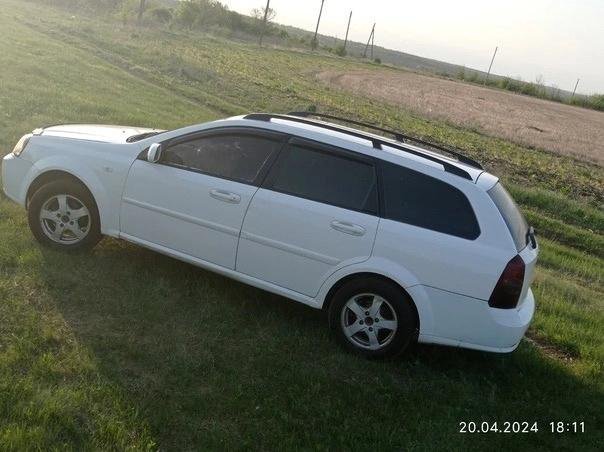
<point>373,317</point>
<point>63,215</point>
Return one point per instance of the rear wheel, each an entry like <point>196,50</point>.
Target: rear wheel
<point>63,215</point>
<point>372,317</point>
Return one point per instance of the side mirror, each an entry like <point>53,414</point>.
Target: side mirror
<point>154,153</point>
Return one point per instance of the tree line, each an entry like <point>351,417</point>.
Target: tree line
<point>187,14</point>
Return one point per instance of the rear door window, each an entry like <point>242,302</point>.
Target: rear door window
<point>420,200</point>
<point>325,177</point>
<point>512,216</point>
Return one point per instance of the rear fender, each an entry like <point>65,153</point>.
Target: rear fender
<point>390,270</point>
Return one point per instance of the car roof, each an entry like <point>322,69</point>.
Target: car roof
<point>391,150</point>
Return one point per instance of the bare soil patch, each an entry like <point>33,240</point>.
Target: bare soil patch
<point>548,349</point>
<point>528,121</point>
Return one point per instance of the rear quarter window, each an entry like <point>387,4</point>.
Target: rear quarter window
<point>420,200</point>
<point>512,216</point>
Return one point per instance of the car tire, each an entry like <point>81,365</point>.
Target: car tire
<point>63,215</point>
<point>373,318</point>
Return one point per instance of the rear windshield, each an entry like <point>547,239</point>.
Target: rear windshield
<point>511,214</point>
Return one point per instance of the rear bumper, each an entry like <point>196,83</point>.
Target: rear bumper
<point>14,173</point>
<point>465,322</point>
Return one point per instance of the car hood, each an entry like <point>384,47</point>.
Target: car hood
<point>94,132</point>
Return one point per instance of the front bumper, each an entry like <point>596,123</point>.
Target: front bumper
<point>14,172</point>
<point>460,321</point>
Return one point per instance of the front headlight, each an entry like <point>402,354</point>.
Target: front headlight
<point>21,144</point>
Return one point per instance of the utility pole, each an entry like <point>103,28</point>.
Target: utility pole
<point>314,43</point>
<point>141,10</point>
<point>369,42</point>
<point>575,90</point>
<point>268,5</point>
<point>372,41</point>
<point>491,65</point>
<point>347,30</point>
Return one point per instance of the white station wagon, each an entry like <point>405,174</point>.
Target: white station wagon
<point>395,240</point>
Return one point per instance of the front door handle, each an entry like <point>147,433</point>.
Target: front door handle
<point>348,228</point>
<point>225,196</point>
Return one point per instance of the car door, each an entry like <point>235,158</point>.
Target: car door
<point>194,199</point>
<point>316,212</point>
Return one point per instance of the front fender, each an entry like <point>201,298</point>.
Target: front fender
<point>393,271</point>
<point>109,220</point>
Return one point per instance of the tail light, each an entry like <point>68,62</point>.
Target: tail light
<point>507,291</point>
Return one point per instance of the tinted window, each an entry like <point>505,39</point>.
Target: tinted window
<point>414,198</point>
<point>325,177</point>
<point>237,157</point>
<point>511,215</point>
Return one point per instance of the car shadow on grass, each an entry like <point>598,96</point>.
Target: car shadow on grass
<point>214,364</point>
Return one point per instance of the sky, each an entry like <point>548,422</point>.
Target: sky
<point>559,40</point>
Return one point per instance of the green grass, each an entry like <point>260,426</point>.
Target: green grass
<point>572,263</point>
<point>560,207</point>
<point>128,349</point>
<point>555,229</point>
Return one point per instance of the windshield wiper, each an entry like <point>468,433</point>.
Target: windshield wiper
<point>142,136</point>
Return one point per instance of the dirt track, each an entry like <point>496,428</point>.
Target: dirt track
<point>526,120</point>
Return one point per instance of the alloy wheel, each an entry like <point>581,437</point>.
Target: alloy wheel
<point>65,219</point>
<point>369,321</point>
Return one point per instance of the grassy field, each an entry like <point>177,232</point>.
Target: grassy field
<point>127,349</point>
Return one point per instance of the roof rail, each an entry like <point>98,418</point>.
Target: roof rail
<point>398,136</point>
<point>376,141</point>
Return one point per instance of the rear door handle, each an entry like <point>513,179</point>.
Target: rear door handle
<point>348,228</point>
<point>225,196</point>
